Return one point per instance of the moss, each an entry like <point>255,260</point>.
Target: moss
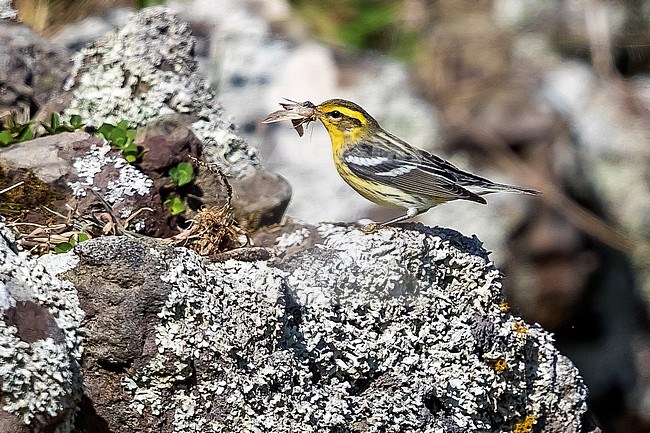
<point>26,203</point>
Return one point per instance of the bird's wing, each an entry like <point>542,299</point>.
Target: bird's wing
<point>403,168</point>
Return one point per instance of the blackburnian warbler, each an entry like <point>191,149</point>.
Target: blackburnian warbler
<point>385,169</point>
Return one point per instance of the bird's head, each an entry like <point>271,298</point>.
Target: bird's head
<point>344,120</point>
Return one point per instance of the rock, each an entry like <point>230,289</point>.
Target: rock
<point>6,11</point>
<point>397,330</point>
<point>261,199</point>
<point>170,141</point>
<point>120,320</point>
<point>154,82</point>
<point>86,174</point>
<point>40,343</point>
<point>158,88</point>
<point>146,70</point>
<point>32,70</point>
<point>50,158</point>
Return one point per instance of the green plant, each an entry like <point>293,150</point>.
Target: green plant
<point>122,137</point>
<point>13,132</point>
<point>365,24</point>
<point>146,3</point>
<point>64,247</point>
<point>182,174</point>
<point>56,126</point>
<point>368,24</point>
<point>175,205</point>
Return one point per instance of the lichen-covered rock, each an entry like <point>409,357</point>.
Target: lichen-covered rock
<point>410,322</point>
<point>345,331</point>
<point>147,70</point>
<point>146,73</point>
<point>87,174</point>
<point>40,343</point>
<point>6,11</point>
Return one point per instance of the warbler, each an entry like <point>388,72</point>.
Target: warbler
<point>385,169</point>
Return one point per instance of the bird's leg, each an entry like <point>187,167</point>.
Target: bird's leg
<point>410,213</point>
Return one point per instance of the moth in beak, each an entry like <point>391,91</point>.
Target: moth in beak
<point>300,114</point>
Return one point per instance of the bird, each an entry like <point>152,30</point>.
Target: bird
<point>384,168</point>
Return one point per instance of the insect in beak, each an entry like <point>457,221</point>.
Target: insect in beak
<point>300,114</point>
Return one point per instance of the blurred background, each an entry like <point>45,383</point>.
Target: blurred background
<point>548,94</point>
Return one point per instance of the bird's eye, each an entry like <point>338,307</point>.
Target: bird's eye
<point>335,114</point>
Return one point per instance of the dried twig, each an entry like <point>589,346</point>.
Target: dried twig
<point>9,188</point>
<point>214,229</point>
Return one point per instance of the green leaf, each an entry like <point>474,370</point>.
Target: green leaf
<point>80,237</point>
<point>182,174</point>
<point>131,149</point>
<point>106,129</point>
<point>122,138</point>
<point>75,121</point>
<point>175,205</point>
<point>25,133</point>
<point>54,121</point>
<point>63,247</point>
<point>6,138</point>
<point>73,240</point>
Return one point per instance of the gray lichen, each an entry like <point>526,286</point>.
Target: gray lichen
<point>129,182</point>
<point>6,11</point>
<point>400,330</point>
<point>41,377</point>
<point>147,70</point>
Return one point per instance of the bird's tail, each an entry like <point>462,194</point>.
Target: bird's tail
<point>502,187</point>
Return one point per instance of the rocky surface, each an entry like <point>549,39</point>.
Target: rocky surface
<point>398,330</point>
<point>147,70</point>
<point>582,129</point>
<point>6,11</point>
<point>144,74</point>
<point>85,174</point>
<point>40,343</point>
